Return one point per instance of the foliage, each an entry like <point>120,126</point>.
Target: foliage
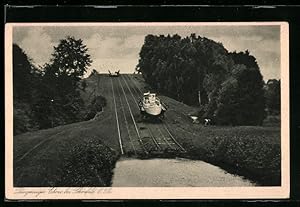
<point>272,95</point>
<point>240,100</point>
<point>91,164</point>
<point>227,103</point>
<point>25,81</point>
<point>178,67</point>
<point>251,155</point>
<point>60,92</point>
<point>251,151</point>
<point>95,106</point>
<point>70,58</point>
<point>51,95</point>
<point>200,71</point>
<point>21,74</point>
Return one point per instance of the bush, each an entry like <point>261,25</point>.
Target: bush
<point>95,107</point>
<point>91,164</point>
<point>252,155</point>
<point>23,119</point>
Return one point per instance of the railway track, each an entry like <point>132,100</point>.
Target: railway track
<point>165,126</point>
<point>117,118</point>
<point>156,139</point>
<point>133,120</point>
<point>162,136</point>
<point>149,138</point>
<point>158,136</point>
<point>126,121</point>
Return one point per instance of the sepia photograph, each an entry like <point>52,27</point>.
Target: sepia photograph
<point>147,110</point>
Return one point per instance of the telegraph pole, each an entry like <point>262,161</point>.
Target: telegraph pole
<point>52,112</point>
<point>199,97</point>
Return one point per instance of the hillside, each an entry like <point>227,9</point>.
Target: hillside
<point>84,153</point>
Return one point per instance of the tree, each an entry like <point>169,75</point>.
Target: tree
<point>60,93</point>
<point>241,100</point>
<point>22,69</point>
<point>227,109</point>
<point>70,58</point>
<point>272,95</point>
<point>200,71</point>
<point>25,84</point>
<point>50,96</point>
<point>187,69</point>
<point>244,58</point>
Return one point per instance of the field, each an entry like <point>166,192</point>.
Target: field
<point>84,154</point>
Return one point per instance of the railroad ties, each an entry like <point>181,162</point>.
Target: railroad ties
<point>156,137</point>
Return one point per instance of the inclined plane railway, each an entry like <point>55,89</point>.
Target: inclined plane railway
<point>136,135</point>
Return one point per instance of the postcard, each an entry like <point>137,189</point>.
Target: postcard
<point>169,110</point>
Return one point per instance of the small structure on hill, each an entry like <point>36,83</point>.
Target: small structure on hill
<point>115,74</point>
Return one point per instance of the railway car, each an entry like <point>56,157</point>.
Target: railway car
<point>115,74</point>
<point>152,106</point>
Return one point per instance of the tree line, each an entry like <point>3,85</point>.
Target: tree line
<point>50,95</point>
<point>227,86</point>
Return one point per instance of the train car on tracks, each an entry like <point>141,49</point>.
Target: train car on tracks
<point>151,106</point>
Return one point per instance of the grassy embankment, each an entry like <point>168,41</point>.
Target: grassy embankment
<point>250,151</point>
<point>253,152</point>
<point>79,154</point>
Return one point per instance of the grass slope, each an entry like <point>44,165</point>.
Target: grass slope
<point>70,155</point>
<point>250,151</point>
<point>84,154</point>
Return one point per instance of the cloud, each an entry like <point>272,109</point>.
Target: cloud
<point>119,46</point>
<point>114,47</point>
<point>114,53</point>
<point>266,51</point>
<point>126,65</point>
<point>38,45</point>
<point>134,41</point>
<point>106,51</point>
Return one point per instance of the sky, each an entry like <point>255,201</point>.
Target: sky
<point>118,46</point>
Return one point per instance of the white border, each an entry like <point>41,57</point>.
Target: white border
<point>154,192</point>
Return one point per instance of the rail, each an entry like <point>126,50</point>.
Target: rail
<point>116,112</point>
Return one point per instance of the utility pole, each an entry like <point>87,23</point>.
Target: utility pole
<point>199,86</point>
<point>199,97</point>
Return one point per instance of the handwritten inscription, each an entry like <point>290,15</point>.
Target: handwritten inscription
<point>79,190</point>
<point>62,191</point>
<point>30,193</point>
